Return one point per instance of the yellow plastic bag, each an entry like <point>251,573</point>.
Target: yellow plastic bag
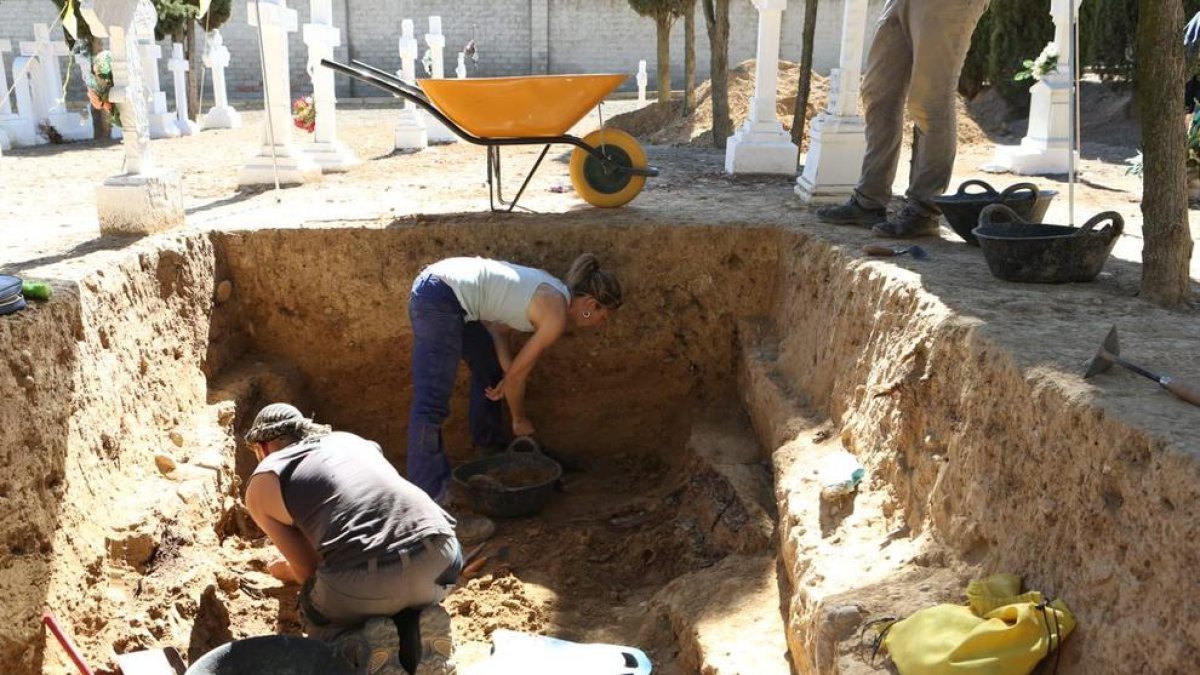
<point>1009,636</point>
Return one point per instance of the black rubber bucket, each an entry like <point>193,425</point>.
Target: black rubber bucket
<point>962,208</point>
<point>517,482</point>
<point>271,655</point>
<point>1047,254</point>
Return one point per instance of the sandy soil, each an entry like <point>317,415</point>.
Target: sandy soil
<point>601,533</point>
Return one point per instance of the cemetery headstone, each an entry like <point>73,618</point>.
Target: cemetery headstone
<point>216,59</point>
<point>278,151</point>
<point>178,65</point>
<point>761,145</point>
<point>18,129</point>
<point>437,132</point>
<point>144,198</point>
<point>46,86</point>
<point>162,122</point>
<point>410,128</point>
<point>321,37</point>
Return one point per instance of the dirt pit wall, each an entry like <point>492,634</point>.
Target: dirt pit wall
<point>977,462</point>
<point>333,302</point>
<point>98,383</point>
<point>120,445</point>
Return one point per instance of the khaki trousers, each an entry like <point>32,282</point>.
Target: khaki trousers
<point>916,57</point>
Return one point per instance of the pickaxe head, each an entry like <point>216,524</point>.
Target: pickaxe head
<point>1102,361</point>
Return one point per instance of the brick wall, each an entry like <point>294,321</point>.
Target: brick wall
<point>514,37</point>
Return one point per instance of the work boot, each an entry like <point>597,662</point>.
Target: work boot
<point>373,649</point>
<point>851,213</point>
<point>437,643</point>
<point>912,221</point>
<point>473,530</point>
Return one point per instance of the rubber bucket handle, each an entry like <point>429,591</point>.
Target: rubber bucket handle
<point>1112,230</point>
<point>975,182</point>
<point>524,444</point>
<point>1019,187</point>
<point>1010,217</point>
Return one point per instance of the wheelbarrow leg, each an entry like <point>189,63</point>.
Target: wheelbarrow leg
<point>498,191</point>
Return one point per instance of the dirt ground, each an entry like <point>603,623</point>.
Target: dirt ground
<point>591,568</point>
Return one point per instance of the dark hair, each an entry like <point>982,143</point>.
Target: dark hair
<point>586,278</point>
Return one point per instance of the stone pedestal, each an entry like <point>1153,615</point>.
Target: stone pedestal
<point>145,199</point>
<point>46,86</point>
<point>642,79</point>
<point>321,37</point>
<point>436,131</point>
<point>140,204</point>
<point>761,145</point>
<point>1046,148</point>
<point>278,151</point>
<point>18,129</point>
<point>178,65</point>
<point>411,132</point>
<point>216,59</point>
<point>837,137</point>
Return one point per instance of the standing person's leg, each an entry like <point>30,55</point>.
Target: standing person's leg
<point>437,323</point>
<point>487,419</point>
<point>884,90</point>
<point>941,33</point>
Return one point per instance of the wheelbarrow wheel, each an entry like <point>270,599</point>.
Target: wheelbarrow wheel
<point>603,184</point>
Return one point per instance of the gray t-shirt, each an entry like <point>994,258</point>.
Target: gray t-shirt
<point>349,501</point>
<point>494,290</point>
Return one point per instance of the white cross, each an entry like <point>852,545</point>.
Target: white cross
<point>47,51</point>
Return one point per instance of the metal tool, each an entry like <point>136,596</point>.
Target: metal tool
<point>1109,353</point>
<point>881,250</point>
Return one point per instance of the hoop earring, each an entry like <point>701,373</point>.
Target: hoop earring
<point>587,314</point>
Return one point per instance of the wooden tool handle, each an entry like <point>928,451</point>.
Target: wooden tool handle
<point>1183,390</point>
<point>879,249</point>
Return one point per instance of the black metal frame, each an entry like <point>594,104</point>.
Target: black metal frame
<point>386,81</point>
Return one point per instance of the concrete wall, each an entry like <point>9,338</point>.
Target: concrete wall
<point>514,37</point>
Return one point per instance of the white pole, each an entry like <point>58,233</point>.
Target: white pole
<point>262,57</point>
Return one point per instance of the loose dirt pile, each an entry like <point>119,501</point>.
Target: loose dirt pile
<point>670,126</point>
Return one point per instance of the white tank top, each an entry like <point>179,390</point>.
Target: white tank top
<point>494,290</point>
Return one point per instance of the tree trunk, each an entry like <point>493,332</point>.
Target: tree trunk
<point>101,121</point>
<point>195,73</point>
<point>689,58</point>
<point>663,24</point>
<point>1167,247</point>
<point>800,117</point>
<point>716,19</point>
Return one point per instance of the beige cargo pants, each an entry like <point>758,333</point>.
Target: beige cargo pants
<point>916,57</point>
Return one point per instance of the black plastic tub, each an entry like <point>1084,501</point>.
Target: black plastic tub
<point>271,655</point>
<point>962,208</point>
<point>517,482</point>
<point>1048,254</point>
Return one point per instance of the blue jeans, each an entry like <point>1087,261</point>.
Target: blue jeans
<point>441,338</point>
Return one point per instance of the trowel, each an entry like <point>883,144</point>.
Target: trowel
<point>1110,353</point>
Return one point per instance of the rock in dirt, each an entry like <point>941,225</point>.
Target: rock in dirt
<point>165,464</point>
<point>224,291</point>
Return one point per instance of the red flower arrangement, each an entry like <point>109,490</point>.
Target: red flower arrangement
<point>304,115</point>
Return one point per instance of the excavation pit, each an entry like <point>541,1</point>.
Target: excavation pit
<point>693,428</point>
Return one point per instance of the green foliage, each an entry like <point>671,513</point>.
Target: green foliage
<point>218,13</point>
<point>671,9</point>
<point>1013,31</point>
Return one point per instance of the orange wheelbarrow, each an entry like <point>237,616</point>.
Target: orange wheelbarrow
<point>608,167</point>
